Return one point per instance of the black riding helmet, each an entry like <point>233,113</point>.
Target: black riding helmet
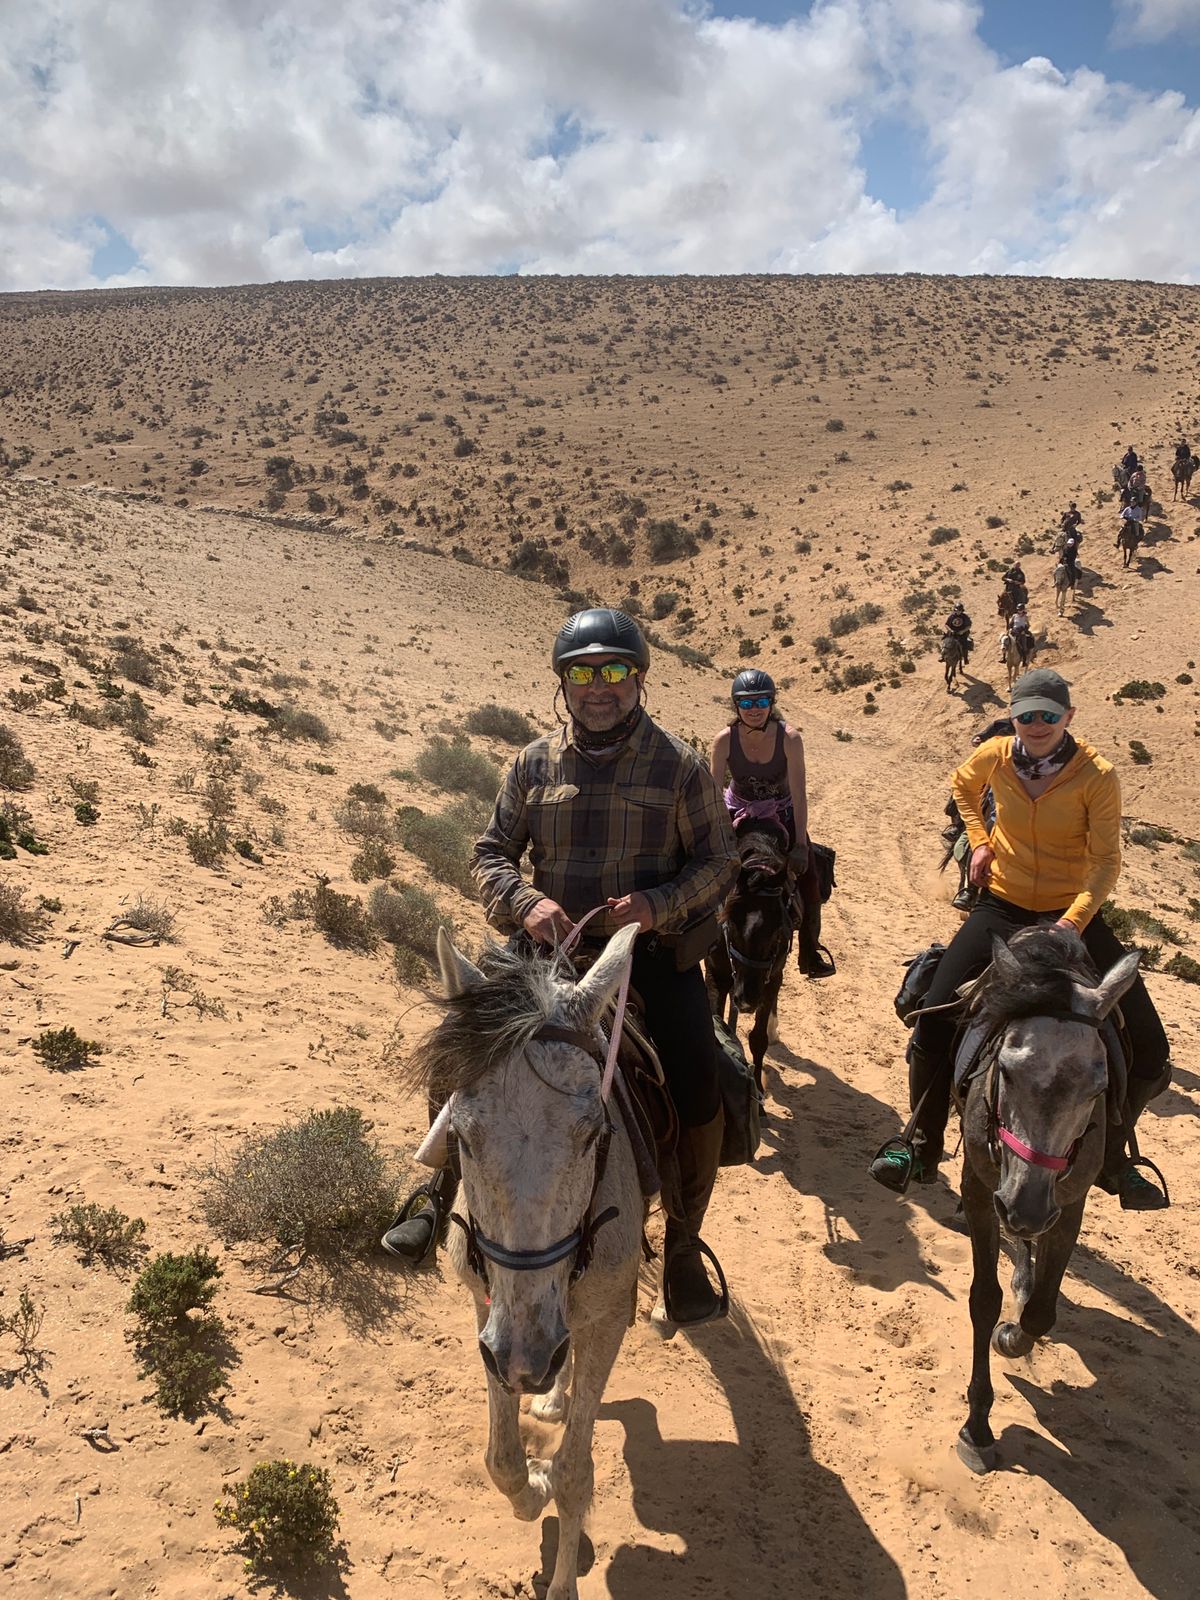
<point>753,681</point>
<point>600,631</point>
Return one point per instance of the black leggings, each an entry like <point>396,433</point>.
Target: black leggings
<point>968,954</point>
<point>679,1022</point>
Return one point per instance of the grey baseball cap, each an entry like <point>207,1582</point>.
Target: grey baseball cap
<point>1040,690</point>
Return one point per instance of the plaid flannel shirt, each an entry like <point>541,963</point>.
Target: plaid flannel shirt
<point>650,820</point>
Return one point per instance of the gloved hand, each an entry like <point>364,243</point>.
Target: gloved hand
<point>797,858</point>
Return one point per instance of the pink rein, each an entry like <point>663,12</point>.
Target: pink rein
<point>614,1041</point>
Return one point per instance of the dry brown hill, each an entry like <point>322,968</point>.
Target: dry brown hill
<point>807,1445</point>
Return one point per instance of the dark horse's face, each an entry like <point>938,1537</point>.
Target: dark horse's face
<point>757,922</point>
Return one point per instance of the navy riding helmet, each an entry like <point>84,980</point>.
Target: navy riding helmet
<point>752,681</point>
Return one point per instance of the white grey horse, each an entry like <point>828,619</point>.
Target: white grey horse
<point>550,1224</point>
<point>1064,581</point>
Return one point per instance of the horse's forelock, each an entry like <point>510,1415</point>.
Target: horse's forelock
<point>1050,962</point>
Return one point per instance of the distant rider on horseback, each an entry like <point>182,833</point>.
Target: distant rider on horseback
<point>958,626</point>
<point>1183,451</point>
<point>615,811</point>
<point>763,757</point>
<point>1021,633</point>
<point>1071,520</point>
<point>1130,459</point>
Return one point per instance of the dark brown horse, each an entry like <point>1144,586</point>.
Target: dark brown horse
<point>1183,470</point>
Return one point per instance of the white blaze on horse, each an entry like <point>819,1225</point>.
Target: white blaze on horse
<point>548,1239</point>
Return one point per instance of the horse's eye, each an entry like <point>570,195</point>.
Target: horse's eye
<point>590,1140</point>
<point>463,1145</point>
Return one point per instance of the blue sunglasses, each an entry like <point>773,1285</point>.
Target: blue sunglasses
<point>1050,718</point>
<point>754,702</point>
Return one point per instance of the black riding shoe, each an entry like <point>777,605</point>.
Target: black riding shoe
<point>417,1226</point>
<point>688,1295</point>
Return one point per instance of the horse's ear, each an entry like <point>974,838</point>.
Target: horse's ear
<point>1098,1002</point>
<point>458,974</point>
<point>1005,963</point>
<point>598,985</point>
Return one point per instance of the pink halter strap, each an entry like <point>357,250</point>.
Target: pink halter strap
<point>1036,1158</point>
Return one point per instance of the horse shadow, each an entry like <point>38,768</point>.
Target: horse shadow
<point>979,696</point>
<point>1156,532</point>
<point>1133,1418</point>
<point>864,1231</point>
<point>1087,617</point>
<point>1148,566</point>
<point>759,1516</point>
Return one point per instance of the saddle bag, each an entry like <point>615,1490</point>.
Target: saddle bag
<point>692,943</point>
<point>914,986</point>
<point>739,1096</point>
<point>824,857</point>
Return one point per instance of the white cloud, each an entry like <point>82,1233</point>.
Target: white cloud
<point>238,140</point>
<point>1158,19</point>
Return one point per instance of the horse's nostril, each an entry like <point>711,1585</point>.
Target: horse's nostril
<point>557,1359</point>
<point>489,1360</point>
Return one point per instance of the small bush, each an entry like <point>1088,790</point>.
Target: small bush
<point>941,535</point>
<point>293,723</point>
<point>858,674</point>
<point>320,1184</point>
<point>151,916</point>
<point>101,1235</point>
<point>408,919</point>
<point>370,794</point>
<point>1138,753</point>
<point>749,647</point>
<point>993,522</point>
<point>667,541</point>
<point>186,1355</point>
<point>342,918</point>
<point>443,840</point>
<point>16,769</point>
<point>835,425</point>
<point>1141,689</point>
<point>86,814</point>
<point>286,1515</point>
<point>19,924</point>
<point>374,860</point>
<point>23,1326</point>
<point>1128,924</point>
<point>62,1050</point>
<point>1181,966</point>
<point>454,766</point>
<point>501,722</point>
<point>363,819</point>
<point>207,845</point>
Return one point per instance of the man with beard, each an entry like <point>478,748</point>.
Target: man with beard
<point>616,812</point>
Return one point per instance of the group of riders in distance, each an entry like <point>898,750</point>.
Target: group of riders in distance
<point>1017,642</point>
<point>620,866</point>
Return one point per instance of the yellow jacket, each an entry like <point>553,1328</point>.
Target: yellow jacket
<point>1062,849</point>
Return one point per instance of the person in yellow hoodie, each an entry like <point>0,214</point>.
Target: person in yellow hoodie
<point>1053,854</point>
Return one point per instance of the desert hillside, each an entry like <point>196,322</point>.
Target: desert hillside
<point>257,597</point>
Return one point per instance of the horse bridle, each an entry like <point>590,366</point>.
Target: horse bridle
<point>999,1133</point>
<point>778,890</point>
<point>581,1242</point>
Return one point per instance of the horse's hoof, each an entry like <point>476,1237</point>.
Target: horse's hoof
<point>550,1407</point>
<point>1011,1340</point>
<point>537,1494</point>
<point>981,1458</point>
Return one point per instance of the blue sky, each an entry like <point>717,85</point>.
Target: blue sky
<point>248,140</point>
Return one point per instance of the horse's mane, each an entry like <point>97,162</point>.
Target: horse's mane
<point>1051,962</point>
<point>490,1021</point>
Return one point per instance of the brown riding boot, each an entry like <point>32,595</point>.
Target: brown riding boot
<point>688,1295</point>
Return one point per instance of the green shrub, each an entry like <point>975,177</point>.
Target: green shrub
<point>1127,924</point>
<point>667,541</point>
<point>364,819</point>
<point>941,535</point>
<point>501,722</point>
<point>19,924</point>
<point>286,1515</point>
<point>1138,753</point>
<point>454,766</point>
<point>86,813</point>
<point>443,840</point>
<point>369,794</point>
<point>62,1050</point>
<point>151,916</point>
<point>319,1184</point>
<point>245,849</point>
<point>749,647</point>
<point>186,1355</point>
<point>1181,966</point>
<point>374,860</point>
<point>408,919</point>
<point>16,769</point>
<point>98,1234</point>
<point>207,845</point>
<point>293,723</point>
<point>250,705</point>
<point>859,673</point>
<point>342,918</point>
<point>1140,689</point>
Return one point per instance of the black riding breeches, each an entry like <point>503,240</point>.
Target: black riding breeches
<point>679,1022</point>
<point>968,954</point>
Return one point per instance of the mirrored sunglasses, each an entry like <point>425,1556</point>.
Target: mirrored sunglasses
<point>1050,718</point>
<point>753,702</point>
<point>580,673</point>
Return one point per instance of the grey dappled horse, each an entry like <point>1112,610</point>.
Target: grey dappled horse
<point>1034,1126</point>
<point>1064,583</point>
<point>550,1235</point>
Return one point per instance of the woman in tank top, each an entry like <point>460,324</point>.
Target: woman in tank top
<point>763,758</point>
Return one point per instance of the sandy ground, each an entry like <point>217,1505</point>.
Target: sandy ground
<point>806,1446</point>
